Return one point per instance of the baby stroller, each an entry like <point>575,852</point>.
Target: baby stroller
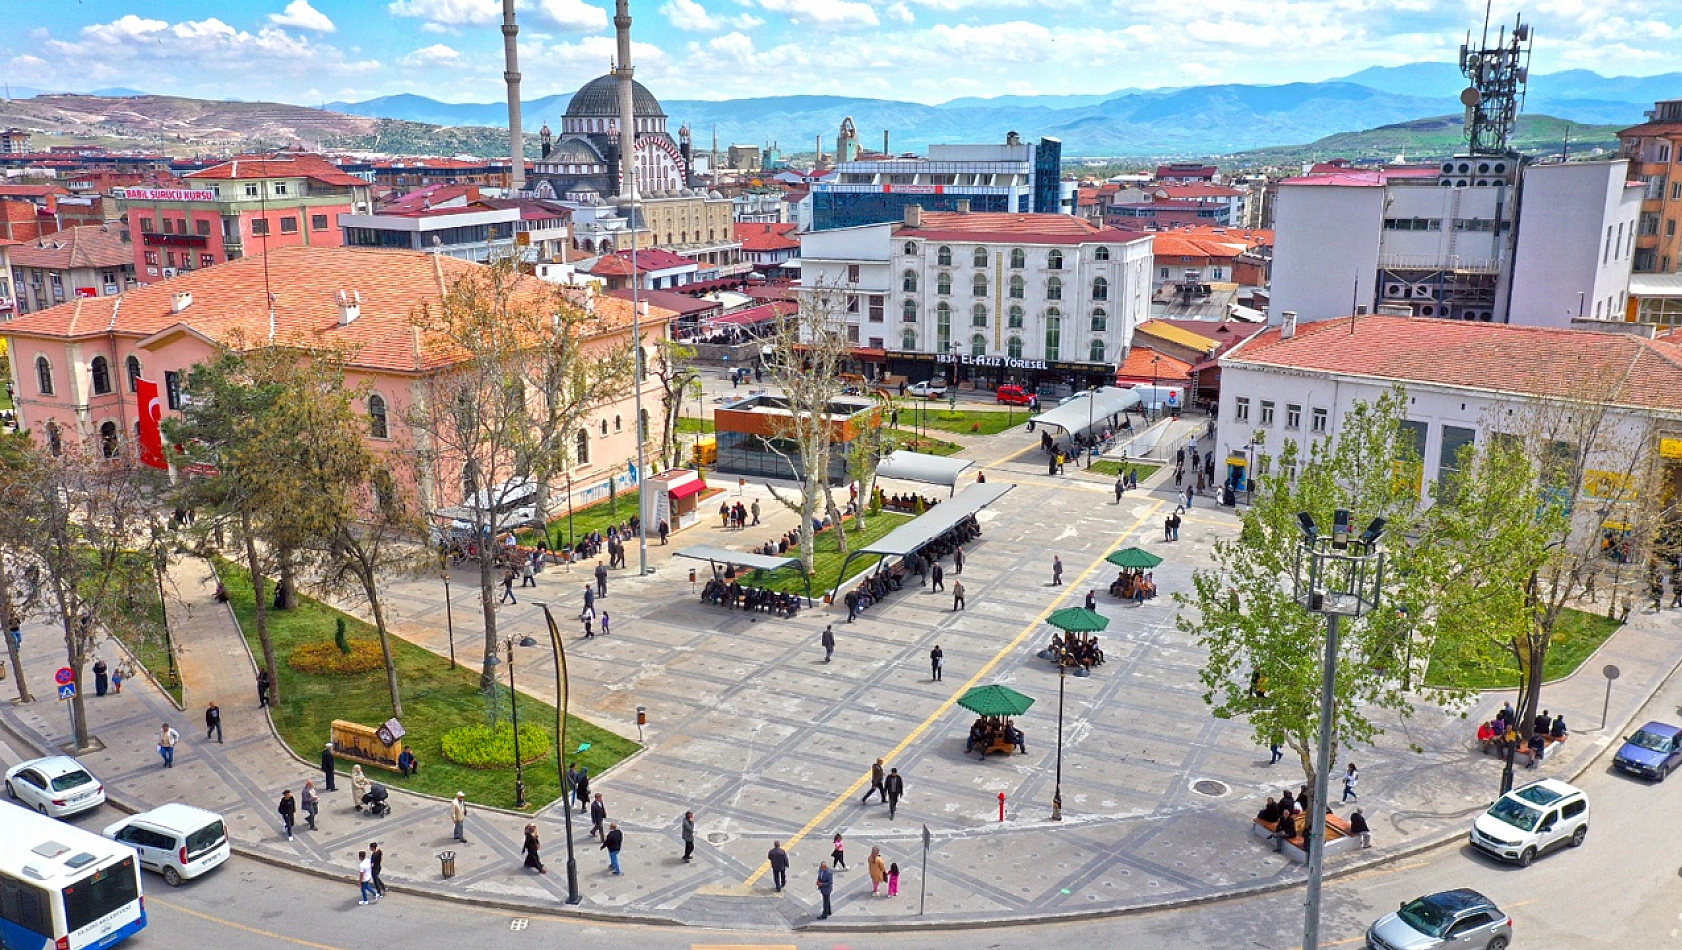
<point>376,801</point>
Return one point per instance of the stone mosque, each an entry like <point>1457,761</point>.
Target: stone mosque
<point>583,165</point>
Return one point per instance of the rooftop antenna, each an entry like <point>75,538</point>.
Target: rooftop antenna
<point>1497,77</point>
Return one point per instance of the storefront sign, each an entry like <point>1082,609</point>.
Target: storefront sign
<point>165,194</point>
<point>1000,362</point>
<point>914,189</point>
<point>174,240</point>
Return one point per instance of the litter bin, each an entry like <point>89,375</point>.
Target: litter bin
<point>448,861</point>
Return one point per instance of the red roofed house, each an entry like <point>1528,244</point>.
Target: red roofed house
<point>656,269</point>
<point>1165,206</point>
<point>1297,381</point>
<point>87,261</point>
<point>242,207</point>
<point>768,246</point>
<point>75,365</point>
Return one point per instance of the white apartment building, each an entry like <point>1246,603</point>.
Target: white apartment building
<point>985,298</point>
<point>1475,238</point>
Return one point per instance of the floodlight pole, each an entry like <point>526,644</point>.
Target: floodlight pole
<point>1057,795</point>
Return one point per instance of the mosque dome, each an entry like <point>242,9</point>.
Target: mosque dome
<point>599,99</point>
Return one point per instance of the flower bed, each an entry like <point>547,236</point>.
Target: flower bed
<point>481,747</point>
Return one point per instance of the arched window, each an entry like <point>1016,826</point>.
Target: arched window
<point>1054,260</point>
<point>978,315</point>
<point>1013,348</point>
<point>1100,321</point>
<point>108,439</point>
<point>44,375</point>
<point>100,370</point>
<point>909,310</point>
<point>133,363</point>
<point>1053,334</point>
<point>1101,254</point>
<point>908,282</point>
<point>908,340</point>
<point>943,283</point>
<point>978,345</point>
<point>1015,318</point>
<point>1053,289</point>
<point>604,427</point>
<point>378,423</point>
<point>643,431</point>
<point>980,257</point>
<point>1018,258</point>
<point>980,283</point>
<point>1100,289</point>
<point>617,425</point>
<point>943,327</point>
<point>1018,288</point>
<point>582,447</point>
<point>910,248</point>
<point>943,257</point>
<point>1095,352</point>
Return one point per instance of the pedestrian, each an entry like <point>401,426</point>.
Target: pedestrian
<point>527,576</point>
<point>878,871</point>
<point>117,677</point>
<point>328,767</point>
<point>311,802</point>
<point>264,682</point>
<point>607,623</point>
<point>601,580</point>
<point>1189,496</point>
<point>613,842</point>
<point>688,832</point>
<point>213,722</point>
<point>1351,778</point>
<point>530,850</point>
<point>101,681</point>
<point>1120,488</point>
<point>877,774</point>
<point>893,880</point>
<point>937,575</point>
<point>1091,600</point>
<point>838,852</point>
<point>288,812</point>
<point>1056,571</point>
<point>851,599</point>
<point>376,862</point>
<point>828,641</point>
<point>589,602</point>
<point>1274,749</point>
<point>826,884</point>
<point>779,866</point>
<point>957,595</point>
<point>458,817</point>
<point>508,588</point>
<point>755,509</point>
<point>664,529</point>
<point>937,658</point>
<point>365,880</point>
<point>895,787</point>
<point>581,789</point>
<point>958,560</point>
<point>589,633</point>
<point>598,815</point>
<point>167,738</point>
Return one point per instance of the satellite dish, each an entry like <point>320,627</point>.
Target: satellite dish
<point>1470,96</point>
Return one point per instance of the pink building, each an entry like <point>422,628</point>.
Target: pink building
<point>76,365</point>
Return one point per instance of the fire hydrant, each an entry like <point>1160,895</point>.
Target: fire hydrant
<point>1001,806</point>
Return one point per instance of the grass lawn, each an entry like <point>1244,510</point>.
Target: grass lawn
<point>826,560</point>
<point>1578,635</point>
<point>689,426</point>
<point>935,415</point>
<point>140,626</point>
<point>909,440</point>
<point>1112,468</point>
<point>436,699</point>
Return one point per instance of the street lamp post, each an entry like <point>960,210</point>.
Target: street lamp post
<point>1156,398</point>
<point>570,541</point>
<point>514,704</point>
<point>1057,794</point>
<point>160,565</point>
<point>561,698</point>
<point>1338,576</point>
<point>449,606</point>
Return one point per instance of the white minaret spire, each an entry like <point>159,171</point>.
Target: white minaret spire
<point>511,75</point>
<point>623,70</point>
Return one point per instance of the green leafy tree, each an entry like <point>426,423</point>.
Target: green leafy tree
<point>17,598</point>
<point>673,369</point>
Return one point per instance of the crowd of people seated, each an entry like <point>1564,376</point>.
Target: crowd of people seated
<point>728,592</point>
<point>995,733</point>
<point>1135,585</point>
<point>907,502</point>
<point>1076,650</point>
<point>1504,733</point>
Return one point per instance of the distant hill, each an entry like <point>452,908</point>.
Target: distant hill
<point>1436,137</point>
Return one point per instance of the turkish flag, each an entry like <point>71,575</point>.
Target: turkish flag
<point>151,431</point>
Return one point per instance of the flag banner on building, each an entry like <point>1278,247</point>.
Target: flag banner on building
<point>151,413</point>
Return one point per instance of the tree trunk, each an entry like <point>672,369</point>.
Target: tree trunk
<point>487,603</point>
<point>6,609</point>
<point>836,519</point>
<point>1530,699</point>
<point>369,588</point>
<point>260,609</point>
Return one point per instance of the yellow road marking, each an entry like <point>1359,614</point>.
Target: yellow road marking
<point>153,901</point>
<point>952,700</point>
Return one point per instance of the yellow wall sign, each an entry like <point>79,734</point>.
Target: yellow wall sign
<point>1608,485</point>
<point>1670,448</point>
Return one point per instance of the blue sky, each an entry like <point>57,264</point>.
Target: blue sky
<point>309,51</point>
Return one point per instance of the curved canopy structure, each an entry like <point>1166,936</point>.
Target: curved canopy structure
<point>1091,412</point>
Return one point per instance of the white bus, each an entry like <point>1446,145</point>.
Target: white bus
<point>62,888</point>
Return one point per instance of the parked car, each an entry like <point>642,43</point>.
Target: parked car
<point>1014,395</point>
<point>55,786</point>
<point>1532,819</point>
<point>1457,918</point>
<point>928,388</point>
<point>178,841</point>
<point>1653,751</point>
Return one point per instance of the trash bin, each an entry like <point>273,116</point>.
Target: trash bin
<point>448,861</point>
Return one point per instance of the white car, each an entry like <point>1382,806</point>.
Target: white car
<point>928,389</point>
<point>55,786</point>
<point>1532,819</point>
<point>175,840</point>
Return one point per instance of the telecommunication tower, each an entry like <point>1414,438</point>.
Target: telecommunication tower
<point>1498,74</point>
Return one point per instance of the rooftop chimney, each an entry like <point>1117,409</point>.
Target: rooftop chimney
<point>913,216</point>
<point>350,307</point>
<point>1287,324</point>
<point>180,301</point>
<point>963,206</point>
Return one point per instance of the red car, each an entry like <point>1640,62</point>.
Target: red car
<point>1014,395</point>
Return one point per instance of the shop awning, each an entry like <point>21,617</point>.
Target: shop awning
<point>1092,412</point>
<point>914,535</point>
<point>686,489</point>
<point>919,467</point>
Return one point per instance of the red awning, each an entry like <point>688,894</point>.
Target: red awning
<point>688,488</point>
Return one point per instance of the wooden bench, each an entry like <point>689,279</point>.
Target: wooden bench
<point>1000,744</point>
<point>1338,838</point>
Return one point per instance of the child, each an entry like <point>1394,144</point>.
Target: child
<point>606,619</point>
<point>893,880</point>
<point>117,676</point>
<point>837,857</point>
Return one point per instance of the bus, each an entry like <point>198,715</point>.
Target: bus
<point>62,888</point>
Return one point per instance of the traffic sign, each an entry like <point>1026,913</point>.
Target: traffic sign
<point>67,691</point>
<point>64,675</point>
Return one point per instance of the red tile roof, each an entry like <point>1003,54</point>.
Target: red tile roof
<point>88,246</point>
<point>759,236</point>
<point>680,304</point>
<point>1539,361</point>
<point>31,191</point>
<point>649,259</point>
<point>987,226</point>
<point>431,196</point>
<point>230,308</point>
<point>1139,367</point>
<point>1167,245</point>
<point>1652,128</point>
<point>1200,190</point>
<point>287,165</point>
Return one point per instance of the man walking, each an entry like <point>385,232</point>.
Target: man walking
<point>167,738</point>
<point>779,866</point>
<point>311,802</point>
<point>852,602</point>
<point>376,860</point>
<point>264,680</point>
<point>213,723</point>
<point>957,595</point>
<point>937,659</point>
<point>958,560</point>
<point>1056,571</point>
<point>589,602</point>
<point>528,577</point>
<point>508,588</point>
<point>328,767</point>
<point>288,812</point>
<point>365,880</point>
<point>755,510</point>
<point>937,574</point>
<point>613,841</point>
<point>598,815</point>
<point>895,787</point>
<point>828,642</point>
<point>826,884</point>
<point>458,816</point>
<point>1120,488</point>
<point>601,580</point>
<point>877,773</point>
<point>688,831</point>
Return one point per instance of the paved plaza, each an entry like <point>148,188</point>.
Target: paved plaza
<point>750,729</point>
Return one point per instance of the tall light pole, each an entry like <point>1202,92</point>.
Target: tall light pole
<point>561,701</point>
<point>1057,794</point>
<point>1156,398</point>
<point>1338,576</point>
<point>449,606</point>
<point>514,704</point>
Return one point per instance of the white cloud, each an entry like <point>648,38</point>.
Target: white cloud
<point>435,56</point>
<point>572,15</point>
<point>691,16</point>
<point>838,13</point>
<point>300,15</point>
<point>597,51</point>
<point>901,13</point>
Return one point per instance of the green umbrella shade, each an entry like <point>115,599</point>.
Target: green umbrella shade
<point>1078,620</point>
<point>1137,558</point>
<point>995,701</point>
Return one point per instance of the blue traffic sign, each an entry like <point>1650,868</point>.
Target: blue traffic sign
<point>67,691</point>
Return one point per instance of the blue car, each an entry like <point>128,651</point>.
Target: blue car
<point>1654,751</point>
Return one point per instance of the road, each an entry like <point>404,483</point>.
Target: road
<point>1620,890</point>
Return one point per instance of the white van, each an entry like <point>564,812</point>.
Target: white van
<point>1532,819</point>
<point>177,841</point>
